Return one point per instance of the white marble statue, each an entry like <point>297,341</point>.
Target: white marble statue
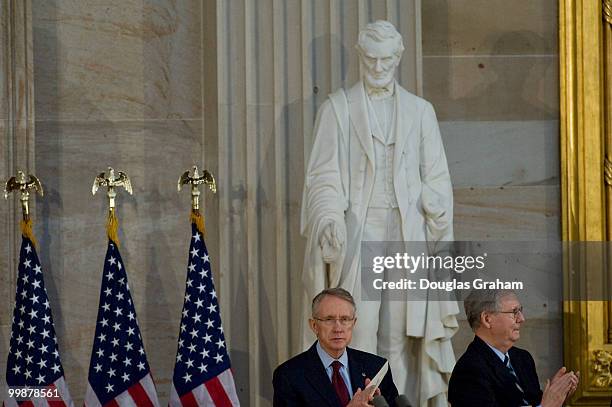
<point>378,172</point>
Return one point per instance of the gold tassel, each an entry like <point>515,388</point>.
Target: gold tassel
<point>112,227</point>
<point>27,231</point>
<point>197,218</point>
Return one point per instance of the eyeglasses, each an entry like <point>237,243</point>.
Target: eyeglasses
<point>515,312</point>
<point>344,321</point>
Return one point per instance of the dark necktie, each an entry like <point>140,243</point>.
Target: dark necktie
<point>339,385</point>
<point>515,377</point>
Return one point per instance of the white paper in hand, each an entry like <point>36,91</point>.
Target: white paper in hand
<point>377,380</point>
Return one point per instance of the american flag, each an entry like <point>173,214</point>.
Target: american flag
<point>119,373</point>
<point>33,359</point>
<point>202,371</point>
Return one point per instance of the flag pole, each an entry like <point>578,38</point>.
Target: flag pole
<point>111,181</point>
<point>202,372</point>
<point>32,308</point>
<point>195,180</point>
<point>132,383</point>
<point>22,184</point>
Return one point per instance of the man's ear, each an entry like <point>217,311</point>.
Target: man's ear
<point>397,62</point>
<point>313,326</point>
<point>485,319</point>
<point>398,59</point>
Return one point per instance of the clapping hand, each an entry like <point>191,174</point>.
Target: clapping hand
<point>363,397</point>
<point>574,379</point>
<point>560,387</point>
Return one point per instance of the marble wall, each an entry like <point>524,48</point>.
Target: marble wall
<point>118,83</point>
<point>490,68</point>
<point>152,86</point>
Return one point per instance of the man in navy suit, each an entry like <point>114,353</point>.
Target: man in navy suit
<point>330,373</point>
<point>493,372</point>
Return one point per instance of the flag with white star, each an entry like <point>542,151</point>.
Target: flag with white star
<point>34,359</point>
<point>119,373</point>
<point>202,371</point>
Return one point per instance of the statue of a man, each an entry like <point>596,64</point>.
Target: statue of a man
<point>378,172</point>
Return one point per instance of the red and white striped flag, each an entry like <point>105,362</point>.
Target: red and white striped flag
<point>34,373</point>
<point>202,372</point>
<point>119,373</point>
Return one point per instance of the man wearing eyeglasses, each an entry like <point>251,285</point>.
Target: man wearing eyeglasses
<point>492,371</point>
<point>330,373</point>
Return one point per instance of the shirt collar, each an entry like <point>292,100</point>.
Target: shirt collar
<point>498,352</point>
<point>327,360</point>
<point>380,93</point>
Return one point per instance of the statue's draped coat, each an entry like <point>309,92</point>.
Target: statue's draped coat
<point>338,187</point>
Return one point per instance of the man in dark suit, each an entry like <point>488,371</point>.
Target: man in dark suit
<point>492,371</point>
<point>330,373</point>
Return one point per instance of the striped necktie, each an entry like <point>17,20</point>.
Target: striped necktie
<point>515,377</point>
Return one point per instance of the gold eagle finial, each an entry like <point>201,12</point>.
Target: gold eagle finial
<point>23,184</point>
<point>194,180</point>
<point>111,182</point>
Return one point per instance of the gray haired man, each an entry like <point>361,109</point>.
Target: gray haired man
<point>492,371</point>
<point>330,373</point>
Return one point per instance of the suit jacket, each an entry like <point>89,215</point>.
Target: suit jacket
<point>481,379</point>
<point>303,381</point>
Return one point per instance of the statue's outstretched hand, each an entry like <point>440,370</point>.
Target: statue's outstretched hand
<point>331,241</point>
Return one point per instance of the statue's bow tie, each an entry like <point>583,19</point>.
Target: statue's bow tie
<point>379,93</point>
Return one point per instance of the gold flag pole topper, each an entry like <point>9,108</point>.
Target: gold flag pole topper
<point>111,182</point>
<point>196,179</point>
<point>21,183</point>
